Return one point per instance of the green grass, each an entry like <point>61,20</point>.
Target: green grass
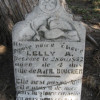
<point>87,12</point>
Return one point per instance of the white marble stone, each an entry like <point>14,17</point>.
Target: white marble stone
<point>48,52</point>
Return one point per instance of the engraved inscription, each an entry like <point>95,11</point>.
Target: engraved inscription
<point>48,69</point>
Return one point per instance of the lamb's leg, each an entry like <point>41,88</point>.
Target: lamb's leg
<point>72,36</point>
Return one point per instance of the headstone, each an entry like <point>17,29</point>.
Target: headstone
<point>48,53</point>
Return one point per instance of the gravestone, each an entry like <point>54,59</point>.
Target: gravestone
<point>48,54</point>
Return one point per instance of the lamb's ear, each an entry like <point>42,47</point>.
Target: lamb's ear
<point>51,19</point>
<point>42,28</point>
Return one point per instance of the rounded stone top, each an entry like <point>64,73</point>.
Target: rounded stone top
<point>49,6</point>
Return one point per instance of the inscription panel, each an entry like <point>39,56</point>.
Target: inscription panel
<point>48,70</point>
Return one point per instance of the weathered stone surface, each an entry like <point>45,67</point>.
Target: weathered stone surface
<point>52,23</point>
<point>48,50</point>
